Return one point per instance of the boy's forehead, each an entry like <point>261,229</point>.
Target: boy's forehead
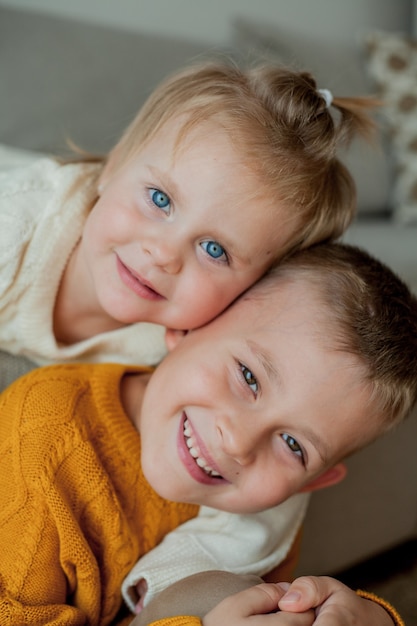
<point>265,312</point>
<point>275,293</point>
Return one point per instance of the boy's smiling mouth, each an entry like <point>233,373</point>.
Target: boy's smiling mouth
<point>195,451</point>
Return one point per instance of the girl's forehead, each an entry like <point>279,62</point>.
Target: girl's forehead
<point>191,126</point>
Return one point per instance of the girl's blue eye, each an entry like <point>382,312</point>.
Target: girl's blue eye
<point>249,378</point>
<point>160,199</point>
<point>293,445</point>
<point>214,249</point>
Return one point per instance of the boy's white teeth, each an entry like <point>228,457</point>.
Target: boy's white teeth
<point>195,451</point>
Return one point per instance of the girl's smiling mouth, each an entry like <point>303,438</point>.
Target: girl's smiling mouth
<point>134,282</point>
<point>193,457</point>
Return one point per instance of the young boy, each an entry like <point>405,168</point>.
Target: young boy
<point>312,363</point>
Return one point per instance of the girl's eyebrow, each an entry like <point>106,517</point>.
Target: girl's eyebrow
<point>169,186</point>
<point>166,179</point>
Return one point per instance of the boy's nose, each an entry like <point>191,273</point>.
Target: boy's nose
<point>237,441</point>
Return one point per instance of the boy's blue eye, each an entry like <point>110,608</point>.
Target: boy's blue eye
<point>293,445</point>
<point>214,249</point>
<point>160,199</point>
<point>249,378</point>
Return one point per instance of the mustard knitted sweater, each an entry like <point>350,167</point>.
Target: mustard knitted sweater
<point>76,512</point>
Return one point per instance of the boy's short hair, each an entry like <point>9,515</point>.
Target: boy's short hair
<point>368,311</point>
<point>283,128</point>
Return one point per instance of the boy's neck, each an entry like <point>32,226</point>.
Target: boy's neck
<point>77,314</point>
<point>132,390</point>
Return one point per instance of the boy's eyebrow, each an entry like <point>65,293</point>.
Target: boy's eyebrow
<point>318,444</point>
<point>266,361</point>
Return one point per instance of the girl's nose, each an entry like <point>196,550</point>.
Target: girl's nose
<point>165,256</point>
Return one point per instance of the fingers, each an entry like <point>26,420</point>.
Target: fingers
<point>335,604</point>
<point>241,607</point>
<point>261,598</point>
<point>256,606</point>
<point>308,592</point>
<point>291,619</point>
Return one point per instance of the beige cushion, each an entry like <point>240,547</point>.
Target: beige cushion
<point>392,63</point>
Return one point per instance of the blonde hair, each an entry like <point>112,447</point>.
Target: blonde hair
<point>283,127</point>
<point>368,311</point>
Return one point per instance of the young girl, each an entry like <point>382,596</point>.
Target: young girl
<point>222,172</point>
<point>96,464</point>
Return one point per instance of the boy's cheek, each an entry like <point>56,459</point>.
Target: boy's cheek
<point>328,478</point>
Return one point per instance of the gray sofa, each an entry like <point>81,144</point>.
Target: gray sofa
<point>61,78</point>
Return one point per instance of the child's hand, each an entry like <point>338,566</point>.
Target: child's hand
<point>255,607</point>
<point>334,603</point>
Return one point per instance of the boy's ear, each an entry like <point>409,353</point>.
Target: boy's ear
<point>330,477</point>
<point>173,337</point>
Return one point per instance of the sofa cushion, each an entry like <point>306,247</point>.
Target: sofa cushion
<point>392,63</point>
<point>69,79</point>
<point>61,78</point>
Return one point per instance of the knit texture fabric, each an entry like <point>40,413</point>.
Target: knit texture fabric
<point>75,509</point>
<point>393,613</point>
<point>178,621</point>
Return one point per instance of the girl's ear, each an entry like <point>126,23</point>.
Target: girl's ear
<point>330,477</point>
<point>173,337</point>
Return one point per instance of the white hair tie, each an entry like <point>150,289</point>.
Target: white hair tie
<point>327,96</point>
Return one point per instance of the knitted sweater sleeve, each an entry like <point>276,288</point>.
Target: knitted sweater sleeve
<point>47,568</point>
<point>392,612</point>
<point>68,452</point>
<point>29,568</point>
<point>179,620</point>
